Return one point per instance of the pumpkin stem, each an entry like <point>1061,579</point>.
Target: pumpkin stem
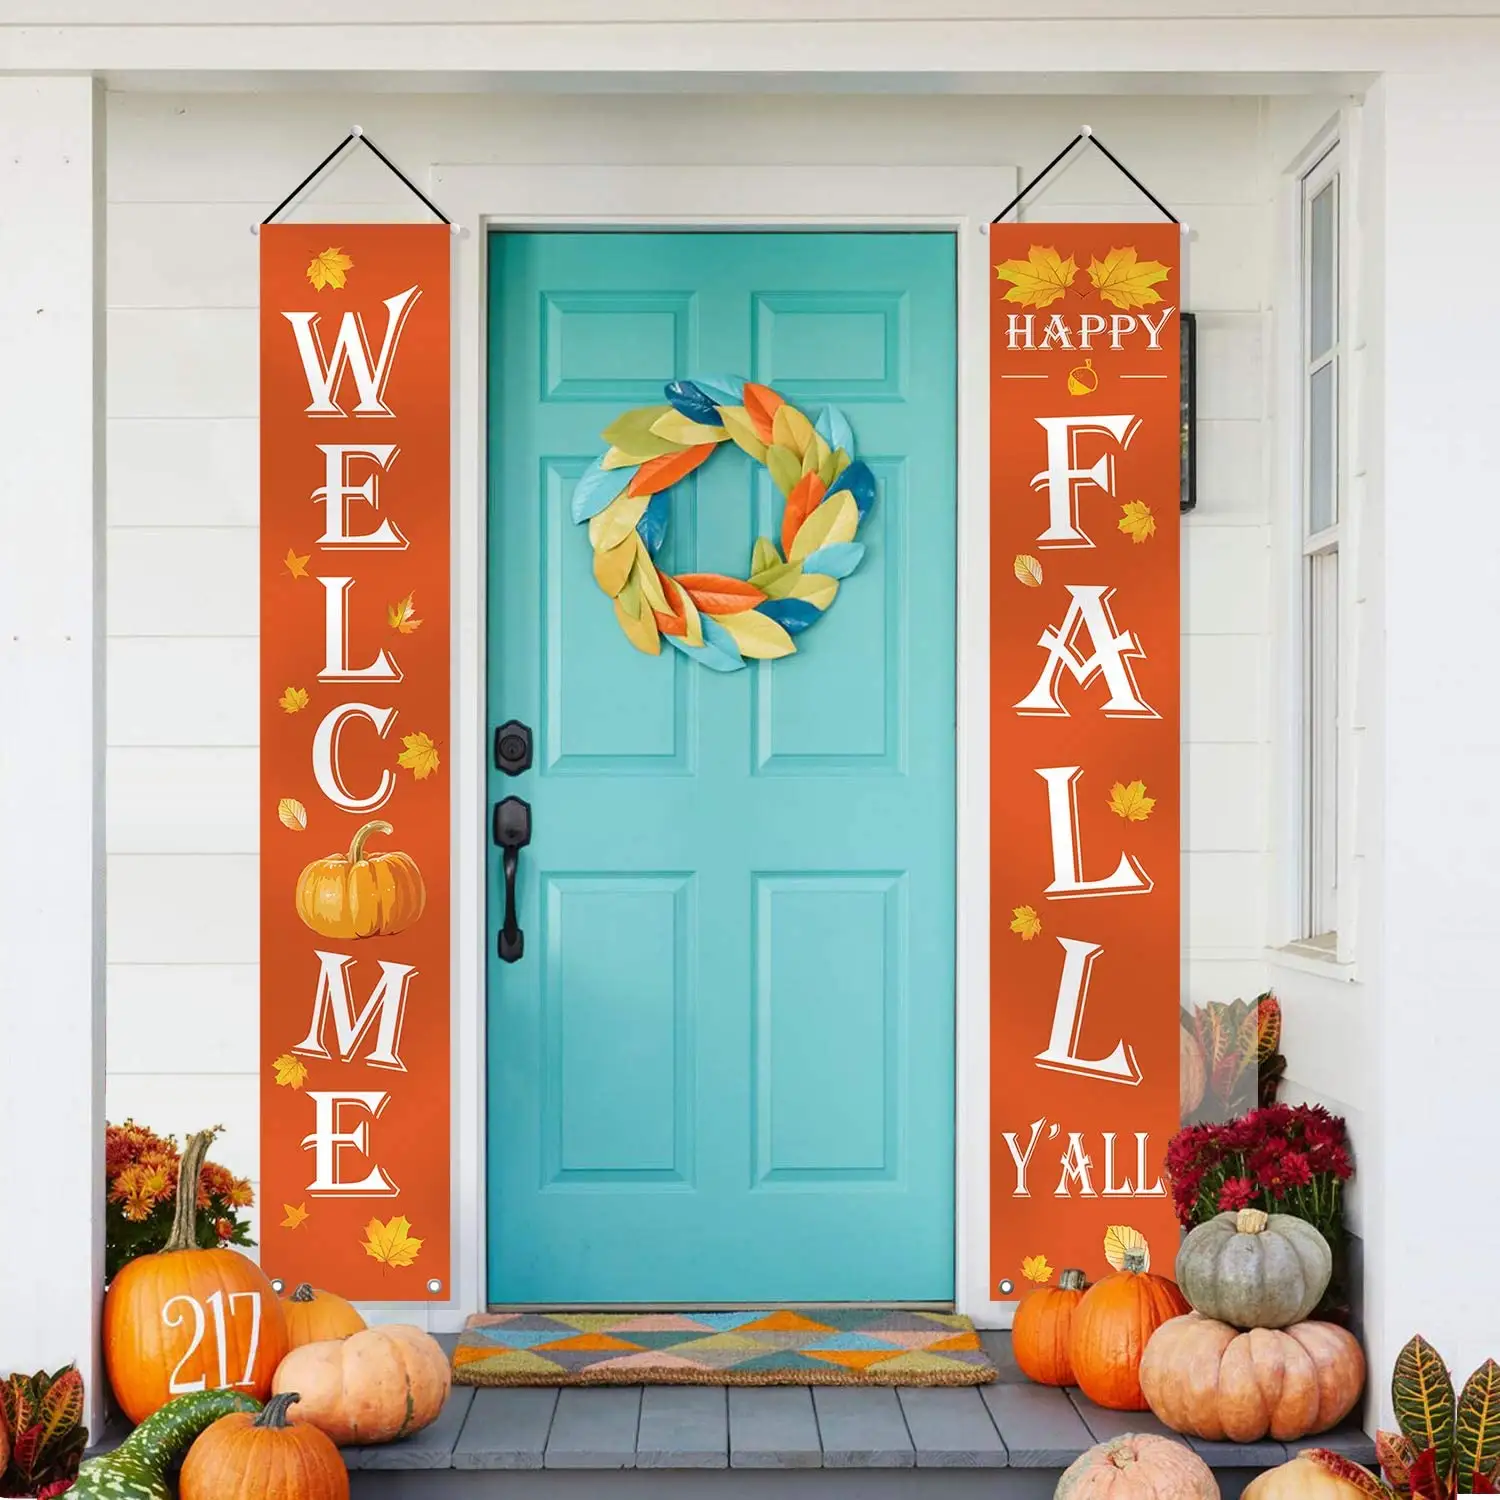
<point>1135,1261</point>
<point>1072,1281</point>
<point>273,1413</point>
<point>184,1235</point>
<point>1251,1221</point>
<point>304,1293</point>
<point>357,847</point>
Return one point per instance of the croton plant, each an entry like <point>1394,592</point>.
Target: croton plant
<point>1239,1042</point>
<point>42,1436</point>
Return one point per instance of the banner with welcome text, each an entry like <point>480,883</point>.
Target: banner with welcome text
<point>355,420</point>
<point>1085,422</point>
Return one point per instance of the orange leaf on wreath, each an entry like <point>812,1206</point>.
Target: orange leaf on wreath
<point>715,594</point>
<point>807,494</point>
<point>673,621</point>
<point>761,403</point>
<point>662,473</point>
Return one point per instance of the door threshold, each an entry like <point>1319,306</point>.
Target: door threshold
<point>676,1307</point>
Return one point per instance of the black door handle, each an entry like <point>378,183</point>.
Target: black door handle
<point>512,832</point>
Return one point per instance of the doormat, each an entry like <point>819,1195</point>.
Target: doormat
<point>807,1346</point>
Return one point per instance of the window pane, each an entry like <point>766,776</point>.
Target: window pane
<point>1322,451</point>
<point>1321,748</point>
<point>1322,272</point>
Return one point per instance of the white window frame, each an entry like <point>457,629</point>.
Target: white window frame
<point>1321,657</point>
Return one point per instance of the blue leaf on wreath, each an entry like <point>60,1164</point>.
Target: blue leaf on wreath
<point>597,487</point>
<point>793,615</point>
<point>693,403</point>
<point>722,390</point>
<point>718,650</point>
<point>860,483</point>
<point>837,559</point>
<point>653,525</point>
<point>833,427</point>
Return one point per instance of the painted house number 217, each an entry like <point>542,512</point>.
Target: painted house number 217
<point>180,1386</point>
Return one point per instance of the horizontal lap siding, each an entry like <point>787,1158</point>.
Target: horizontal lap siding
<point>187,176</point>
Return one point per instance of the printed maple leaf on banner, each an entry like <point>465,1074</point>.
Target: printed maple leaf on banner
<point>392,1243</point>
<point>293,700</point>
<point>297,566</point>
<point>292,813</point>
<point>1040,279</point>
<point>420,756</point>
<point>1035,1268</point>
<point>1137,523</point>
<point>1131,802</point>
<point>291,1072</point>
<point>328,269</point>
<point>1125,281</point>
<point>1025,921</point>
<point>294,1215</point>
<point>402,615</point>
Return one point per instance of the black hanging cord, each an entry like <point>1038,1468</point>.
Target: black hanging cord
<point>355,135</point>
<point>1086,135</point>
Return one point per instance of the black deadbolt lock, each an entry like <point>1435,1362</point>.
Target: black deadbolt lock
<point>513,747</point>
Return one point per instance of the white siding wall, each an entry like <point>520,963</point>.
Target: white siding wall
<point>188,175</point>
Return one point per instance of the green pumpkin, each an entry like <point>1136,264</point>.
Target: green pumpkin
<point>1254,1270</point>
<point>136,1470</point>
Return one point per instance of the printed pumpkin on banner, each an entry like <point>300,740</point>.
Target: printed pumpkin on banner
<point>355,1005</point>
<point>1085,1050</point>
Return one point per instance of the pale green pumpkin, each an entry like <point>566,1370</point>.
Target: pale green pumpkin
<point>1254,1270</point>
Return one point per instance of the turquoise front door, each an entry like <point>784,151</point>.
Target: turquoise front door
<point>722,1069</point>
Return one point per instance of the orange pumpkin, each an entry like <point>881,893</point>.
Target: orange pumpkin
<point>1192,1072</point>
<point>372,1387</point>
<point>187,1319</point>
<point>1315,1474</point>
<point>1211,1380</point>
<point>1039,1335</point>
<point>1138,1466</point>
<point>313,1315</point>
<point>262,1457</point>
<point>1111,1327</point>
<point>358,896</point>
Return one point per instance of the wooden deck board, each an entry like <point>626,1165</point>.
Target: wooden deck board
<point>683,1427</point>
<point>507,1428</point>
<point>594,1427</point>
<point>431,1448</point>
<point>1039,1426</point>
<point>951,1429</point>
<point>773,1427</point>
<point>861,1427</point>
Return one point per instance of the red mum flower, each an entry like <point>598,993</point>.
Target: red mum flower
<point>1237,1193</point>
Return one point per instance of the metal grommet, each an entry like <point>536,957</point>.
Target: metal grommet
<point>1006,1288</point>
<point>277,1285</point>
<point>434,1285</point>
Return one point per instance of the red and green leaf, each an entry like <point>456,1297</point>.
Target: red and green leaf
<point>1396,1453</point>
<point>62,1408</point>
<point>1477,1428</point>
<point>1427,1482</point>
<point>1268,1026</point>
<point>1422,1394</point>
<point>1355,1475</point>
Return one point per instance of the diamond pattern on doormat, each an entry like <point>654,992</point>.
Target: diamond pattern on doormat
<point>786,1346</point>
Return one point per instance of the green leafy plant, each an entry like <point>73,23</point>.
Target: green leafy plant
<point>1241,1045</point>
<point>43,1415</point>
<point>1449,1444</point>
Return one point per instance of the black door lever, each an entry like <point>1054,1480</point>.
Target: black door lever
<point>512,832</point>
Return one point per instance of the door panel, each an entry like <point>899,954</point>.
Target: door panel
<point>723,1069</point>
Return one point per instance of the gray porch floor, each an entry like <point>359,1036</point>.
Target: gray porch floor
<point>769,1440</point>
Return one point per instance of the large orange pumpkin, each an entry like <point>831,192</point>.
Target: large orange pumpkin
<point>261,1457</point>
<point>1211,1380</point>
<point>1138,1466</point>
<point>371,1387</point>
<point>355,895</point>
<point>1111,1327</point>
<point>1043,1323</point>
<point>187,1319</point>
<point>1315,1474</point>
<point>313,1315</point>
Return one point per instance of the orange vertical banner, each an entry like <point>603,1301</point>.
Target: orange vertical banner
<point>355,454</point>
<point>1085,423</point>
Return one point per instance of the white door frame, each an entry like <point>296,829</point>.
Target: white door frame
<point>961,199</point>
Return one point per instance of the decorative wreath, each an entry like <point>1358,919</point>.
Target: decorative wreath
<point>715,619</point>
